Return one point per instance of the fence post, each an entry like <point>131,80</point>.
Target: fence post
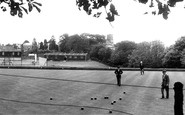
<point>178,98</point>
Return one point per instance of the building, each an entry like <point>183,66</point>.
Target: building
<point>26,47</point>
<point>109,41</point>
<point>8,51</point>
<point>8,54</point>
<point>66,56</point>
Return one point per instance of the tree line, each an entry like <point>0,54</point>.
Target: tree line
<point>125,53</point>
<point>154,54</point>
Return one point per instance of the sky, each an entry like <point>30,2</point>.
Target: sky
<point>62,16</point>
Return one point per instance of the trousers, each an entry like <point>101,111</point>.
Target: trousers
<point>167,91</point>
<point>118,80</point>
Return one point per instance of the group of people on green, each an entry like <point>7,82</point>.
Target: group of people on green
<point>165,79</point>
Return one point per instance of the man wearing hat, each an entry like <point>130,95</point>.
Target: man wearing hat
<point>141,66</point>
<point>118,73</point>
<point>165,84</point>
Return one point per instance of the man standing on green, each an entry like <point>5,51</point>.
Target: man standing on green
<point>165,84</point>
<point>118,73</point>
<point>141,66</point>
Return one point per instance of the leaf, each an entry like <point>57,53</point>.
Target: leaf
<point>160,7</point>
<point>113,10</point>
<point>80,3</point>
<point>165,15</point>
<point>38,9</point>
<point>154,12</point>
<point>110,17</point>
<point>97,15</point>
<point>30,7</point>
<point>164,10</point>
<point>20,14</point>
<point>89,11</point>
<point>12,13</point>
<point>4,9</point>
<point>95,5</point>
<point>151,4</point>
<point>146,13</point>
<point>37,3</point>
<point>86,6</point>
<point>24,9</point>
<point>143,1</point>
<point>103,3</point>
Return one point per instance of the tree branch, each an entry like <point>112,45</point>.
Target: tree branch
<point>6,2</point>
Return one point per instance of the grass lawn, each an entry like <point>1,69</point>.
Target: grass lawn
<point>86,64</point>
<point>65,92</point>
<point>94,64</point>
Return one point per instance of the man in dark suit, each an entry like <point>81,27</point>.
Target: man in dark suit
<point>165,84</point>
<point>118,73</point>
<point>141,67</point>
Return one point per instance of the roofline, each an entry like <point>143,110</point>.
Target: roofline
<point>10,50</point>
<point>65,54</point>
